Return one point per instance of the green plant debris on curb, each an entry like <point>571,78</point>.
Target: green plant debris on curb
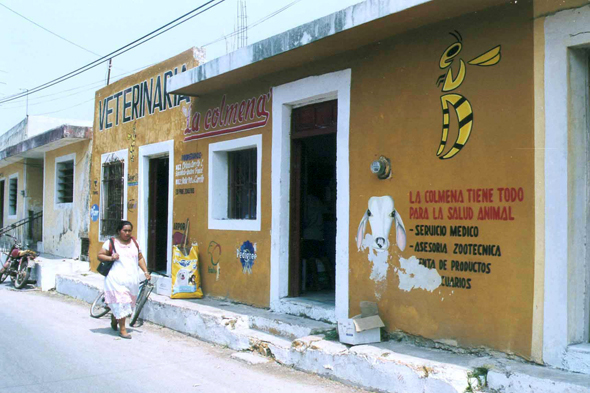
<point>477,379</point>
<point>331,335</point>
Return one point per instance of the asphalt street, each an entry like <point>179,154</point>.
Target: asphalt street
<point>49,343</point>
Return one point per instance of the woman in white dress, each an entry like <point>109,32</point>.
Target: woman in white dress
<point>121,285</point>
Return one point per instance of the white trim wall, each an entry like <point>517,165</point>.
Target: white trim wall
<point>566,299</point>
<point>123,156</point>
<point>67,157</point>
<point>146,152</point>
<point>218,190</point>
<point>306,91</point>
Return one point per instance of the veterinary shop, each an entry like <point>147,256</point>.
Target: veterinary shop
<point>371,155</point>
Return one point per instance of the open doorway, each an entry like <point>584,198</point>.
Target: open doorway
<point>2,204</point>
<point>313,202</point>
<point>157,239</point>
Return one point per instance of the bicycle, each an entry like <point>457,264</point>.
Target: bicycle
<point>99,308</point>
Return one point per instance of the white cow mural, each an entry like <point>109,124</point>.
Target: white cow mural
<point>381,215</point>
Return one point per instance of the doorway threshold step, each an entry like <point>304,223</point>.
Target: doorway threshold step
<point>289,326</point>
<point>308,307</point>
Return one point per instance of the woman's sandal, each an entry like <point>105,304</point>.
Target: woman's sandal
<point>127,336</point>
<point>113,323</point>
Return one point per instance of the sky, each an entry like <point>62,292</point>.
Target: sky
<point>31,56</point>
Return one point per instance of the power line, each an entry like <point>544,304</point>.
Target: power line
<point>117,52</point>
<point>121,50</point>
<point>64,109</point>
<point>49,31</point>
<point>258,22</point>
<point>93,84</point>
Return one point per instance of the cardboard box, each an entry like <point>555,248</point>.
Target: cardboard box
<point>163,285</point>
<point>364,328</point>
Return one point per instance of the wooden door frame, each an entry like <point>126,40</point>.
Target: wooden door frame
<point>153,184</point>
<point>295,201</point>
<point>147,152</point>
<point>285,97</point>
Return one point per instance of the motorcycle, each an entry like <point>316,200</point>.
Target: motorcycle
<point>18,265</point>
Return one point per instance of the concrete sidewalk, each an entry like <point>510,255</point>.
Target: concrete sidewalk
<point>300,343</point>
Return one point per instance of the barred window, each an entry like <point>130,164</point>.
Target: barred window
<point>65,181</point>
<point>235,170</point>
<point>12,196</point>
<point>112,197</point>
<point>242,184</point>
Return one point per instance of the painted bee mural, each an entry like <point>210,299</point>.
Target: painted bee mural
<point>460,104</point>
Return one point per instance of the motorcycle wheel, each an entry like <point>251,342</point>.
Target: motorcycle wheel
<point>3,276</point>
<point>99,307</point>
<point>22,274</point>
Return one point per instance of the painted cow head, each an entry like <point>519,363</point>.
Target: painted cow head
<point>381,214</point>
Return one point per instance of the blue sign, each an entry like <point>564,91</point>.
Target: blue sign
<point>247,255</point>
<point>94,212</point>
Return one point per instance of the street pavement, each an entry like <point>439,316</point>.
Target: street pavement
<point>49,343</point>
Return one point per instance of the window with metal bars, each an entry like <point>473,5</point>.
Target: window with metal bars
<point>242,184</point>
<point>112,197</point>
<point>12,196</point>
<point>65,181</point>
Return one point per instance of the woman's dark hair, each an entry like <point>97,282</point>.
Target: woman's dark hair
<point>122,224</point>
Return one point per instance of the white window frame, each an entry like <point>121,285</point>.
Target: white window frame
<point>15,215</point>
<point>335,85</point>
<point>64,158</point>
<point>123,156</point>
<point>218,190</point>
<point>566,268</point>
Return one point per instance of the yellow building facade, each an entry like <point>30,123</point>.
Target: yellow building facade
<point>393,156</point>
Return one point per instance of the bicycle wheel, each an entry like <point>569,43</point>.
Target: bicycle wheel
<point>22,274</point>
<point>141,300</point>
<point>99,307</point>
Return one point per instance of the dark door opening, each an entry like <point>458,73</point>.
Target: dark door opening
<point>158,215</point>
<point>312,262</point>
<point>2,204</point>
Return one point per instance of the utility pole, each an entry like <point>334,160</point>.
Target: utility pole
<point>109,74</point>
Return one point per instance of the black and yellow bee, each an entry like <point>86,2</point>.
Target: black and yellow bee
<point>461,105</point>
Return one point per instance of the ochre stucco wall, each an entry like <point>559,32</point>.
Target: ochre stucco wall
<point>34,185</point>
<point>171,124</point>
<point>397,106</point>
<point>157,127</point>
<point>396,112</point>
<point>232,281</point>
<point>65,224</point>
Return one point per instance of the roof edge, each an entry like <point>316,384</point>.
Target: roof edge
<point>297,37</point>
<point>40,140</point>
